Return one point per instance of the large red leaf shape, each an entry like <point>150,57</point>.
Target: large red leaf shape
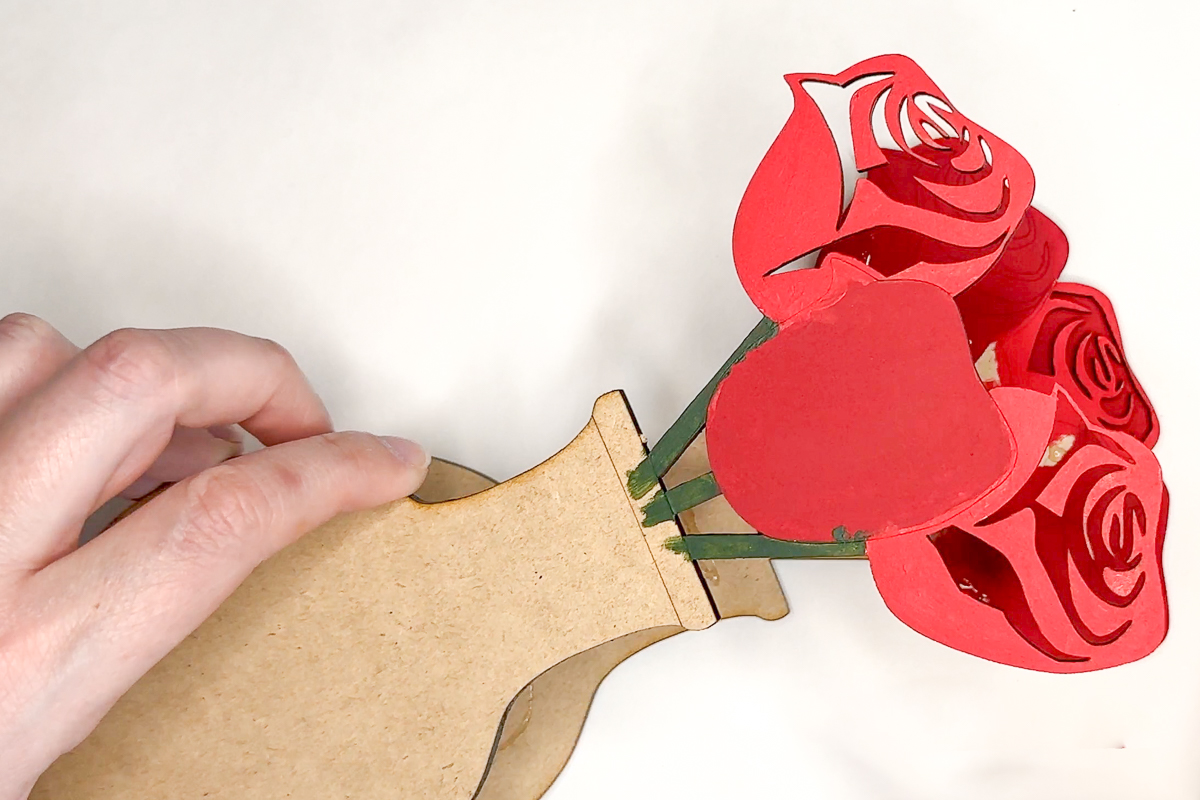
<point>865,416</point>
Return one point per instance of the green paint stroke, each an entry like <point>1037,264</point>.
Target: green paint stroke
<point>724,546</point>
<point>842,534</point>
<point>658,510</point>
<point>684,430</point>
<point>689,494</point>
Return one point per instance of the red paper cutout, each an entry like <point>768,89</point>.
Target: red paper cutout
<point>1025,525</point>
<point>1074,342</point>
<point>940,198</point>
<point>865,415</point>
<point>1060,568</point>
<point>1017,284</point>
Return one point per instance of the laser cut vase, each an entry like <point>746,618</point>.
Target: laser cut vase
<point>379,655</point>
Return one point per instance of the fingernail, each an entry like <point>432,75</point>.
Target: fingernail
<point>227,433</point>
<point>407,451</point>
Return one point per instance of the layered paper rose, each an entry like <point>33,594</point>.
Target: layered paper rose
<point>934,390</point>
<point>925,194</point>
<point>1060,568</point>
<point>1072,341</point>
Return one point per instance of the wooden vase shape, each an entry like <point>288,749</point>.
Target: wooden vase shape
<point>377,657</point>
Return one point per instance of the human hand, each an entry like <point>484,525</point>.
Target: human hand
<point>78,626</point>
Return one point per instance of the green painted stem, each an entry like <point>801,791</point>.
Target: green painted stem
<point>672,502</point>
<point>684,430</point>
<point>721,546</point>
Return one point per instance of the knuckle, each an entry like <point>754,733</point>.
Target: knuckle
<point>281,360</point>
<point>31,648</point>
<point>349,448</point>
<point>28,332</point>
<point>223,509</point>
<point>20,654</point>
<point>278,351</point>
<point>131,363</point>
<point>350,457</point>
<point>276,355</point>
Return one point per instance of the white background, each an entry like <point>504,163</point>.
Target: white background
<point>467,220</point>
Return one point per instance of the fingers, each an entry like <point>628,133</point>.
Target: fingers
<point>31,352</point>
<point>103,419</point>
<point>141,588</point>
<point>191,450</point>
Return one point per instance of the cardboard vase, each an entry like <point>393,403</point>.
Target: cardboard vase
<point>420,649</point>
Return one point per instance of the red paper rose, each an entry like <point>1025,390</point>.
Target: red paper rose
<point>1060,568</point>
<point>936,197</point>
<point>1073,342</point>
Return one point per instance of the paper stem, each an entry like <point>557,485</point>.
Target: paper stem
<point>722,546</point>
<point>672,502</point>
<point>684,430</point>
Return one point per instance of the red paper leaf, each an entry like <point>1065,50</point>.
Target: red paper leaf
<point>1060,568</point>
<point>865,415</point>
<point>1074,342</point>
<point>938,201</point>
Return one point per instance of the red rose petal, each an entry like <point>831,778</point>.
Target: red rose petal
<point>1017,284</point>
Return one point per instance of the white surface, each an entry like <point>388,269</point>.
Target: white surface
<point>469,219</point>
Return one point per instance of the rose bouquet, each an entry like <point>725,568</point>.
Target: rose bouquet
<point>923,391</point>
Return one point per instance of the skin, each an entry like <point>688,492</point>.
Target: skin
<point>79,625</point>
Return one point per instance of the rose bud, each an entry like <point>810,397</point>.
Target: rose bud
<point>1073,342</point>
<point>918,191</point>
<point>1060,568</point>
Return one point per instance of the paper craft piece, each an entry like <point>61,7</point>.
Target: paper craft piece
<point>888,261</point>
<point>1017,285</point>
<point>1073,341</point>
<point>382,650</point>
<point>740,587</point>
<point>1060,569</point>
<point>865,416</point>
<point>919,192</point>
<point>543,723</point>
